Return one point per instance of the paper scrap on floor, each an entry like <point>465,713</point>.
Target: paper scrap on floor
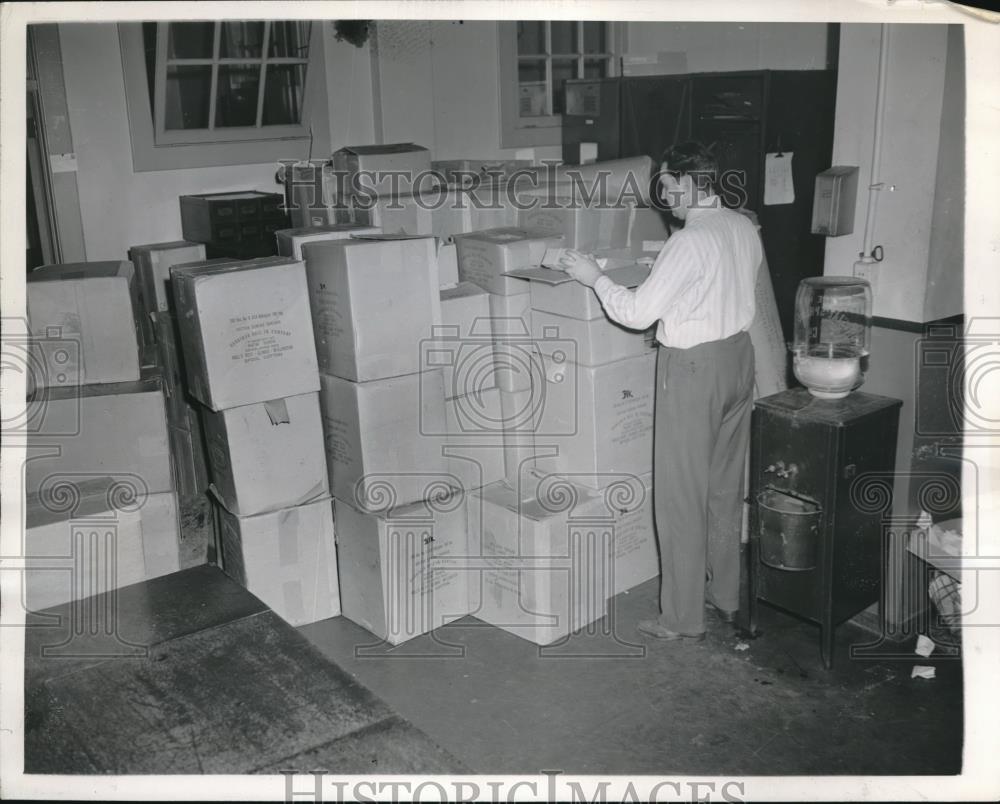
<point>925,646</point>
<point>922,671</point>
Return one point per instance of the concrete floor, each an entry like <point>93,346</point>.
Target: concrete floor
<point>471,698</point>
<point>617,703</point>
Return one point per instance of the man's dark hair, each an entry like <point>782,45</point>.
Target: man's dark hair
<point>694,159</point>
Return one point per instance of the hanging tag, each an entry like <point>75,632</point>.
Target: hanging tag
<point>778,186</point>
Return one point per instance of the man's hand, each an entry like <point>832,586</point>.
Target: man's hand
<point>582,267</point>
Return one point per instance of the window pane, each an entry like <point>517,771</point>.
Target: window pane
<point>564,37</point>
<point>283,94</point>
<point>530,37</point>
<point>530,70</point>
<point>595,68</point>
<point>595,37</point>
<point>190,40</point>
<point>289,40</point>
<point>187,97</point>
<point>236,96</point>
<point>241,40</point>
<point>561,70</point>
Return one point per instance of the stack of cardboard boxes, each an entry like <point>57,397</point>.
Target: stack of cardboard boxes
<point>101,506</point>
<point>251,362</point>
<point>374,302</point>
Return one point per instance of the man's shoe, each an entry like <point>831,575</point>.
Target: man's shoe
<point>728,617</point>
<point>654,629</point>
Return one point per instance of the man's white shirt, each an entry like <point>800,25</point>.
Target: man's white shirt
<point>701,286</point>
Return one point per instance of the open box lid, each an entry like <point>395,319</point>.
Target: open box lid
<point>629,276</point>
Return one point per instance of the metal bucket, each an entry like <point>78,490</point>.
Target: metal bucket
<point>789,530</point>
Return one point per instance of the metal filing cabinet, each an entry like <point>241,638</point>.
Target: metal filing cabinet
<point>816,548</point>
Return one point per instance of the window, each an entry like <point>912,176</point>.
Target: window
<point>226,80</point>
<point>218,93</point>
<point>537,57</point>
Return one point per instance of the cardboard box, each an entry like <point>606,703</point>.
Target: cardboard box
<point>171,365</point>
<point>447,255</point>
<point>599,420</point>
<point>268,455</point>
<point>96,546</point>
<point>648,232</point>
<point>555,292</point>
<point>373,303</point>
<point>290,241</point>
<point>636,558</point>
<point>152,266</point>
<point>118,429</point>
<point>462,344</point>
<point>384,438</point>
<point>472,172</point>
<point>363,167</point>
<point>403,571</point>
<point>475,444</point>
<point>596,342</point>
<point>546,561</point>
<point>486,257</point>
<point>401,214</point>
<point>187,452</point>
<point>245,332</point>
<point>287,558</point>
<point>82,321</point>
<point>584,227</point>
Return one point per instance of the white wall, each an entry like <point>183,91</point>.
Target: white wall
<point>719,46</point>
<point>912,131</point>
<point>120,207</point>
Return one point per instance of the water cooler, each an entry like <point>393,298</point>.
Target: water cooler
<point>816,547</point>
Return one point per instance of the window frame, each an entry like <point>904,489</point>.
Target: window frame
<point>193,148</point>
<point>517,131</point>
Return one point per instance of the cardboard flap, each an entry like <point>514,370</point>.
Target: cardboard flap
<point>390,236</point>
<point>629,276</point>
<point>277,411</point>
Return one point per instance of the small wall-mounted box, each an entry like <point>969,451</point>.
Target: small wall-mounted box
<point>834,199</point>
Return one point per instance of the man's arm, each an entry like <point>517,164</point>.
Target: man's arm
<point>674,273</point>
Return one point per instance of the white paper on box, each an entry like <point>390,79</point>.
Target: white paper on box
<point>474,448</point>
<point>287,558</point>
<point>546,576</point>
<point>462,344</point>
<point>268,455</point>
<point>373,304</point>
<point>96,546</point>
<point>152,265</point>
<point>83,324</point>
<point>403,571</point>
<point>384,438</point>
<point>598,420</point>
<point>118,429</point>
<point>290,241</point>
<point>486,257</point>
<point>593,342</point>
<point>245,332</point>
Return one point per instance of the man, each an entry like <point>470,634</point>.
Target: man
<point>701,293</point>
